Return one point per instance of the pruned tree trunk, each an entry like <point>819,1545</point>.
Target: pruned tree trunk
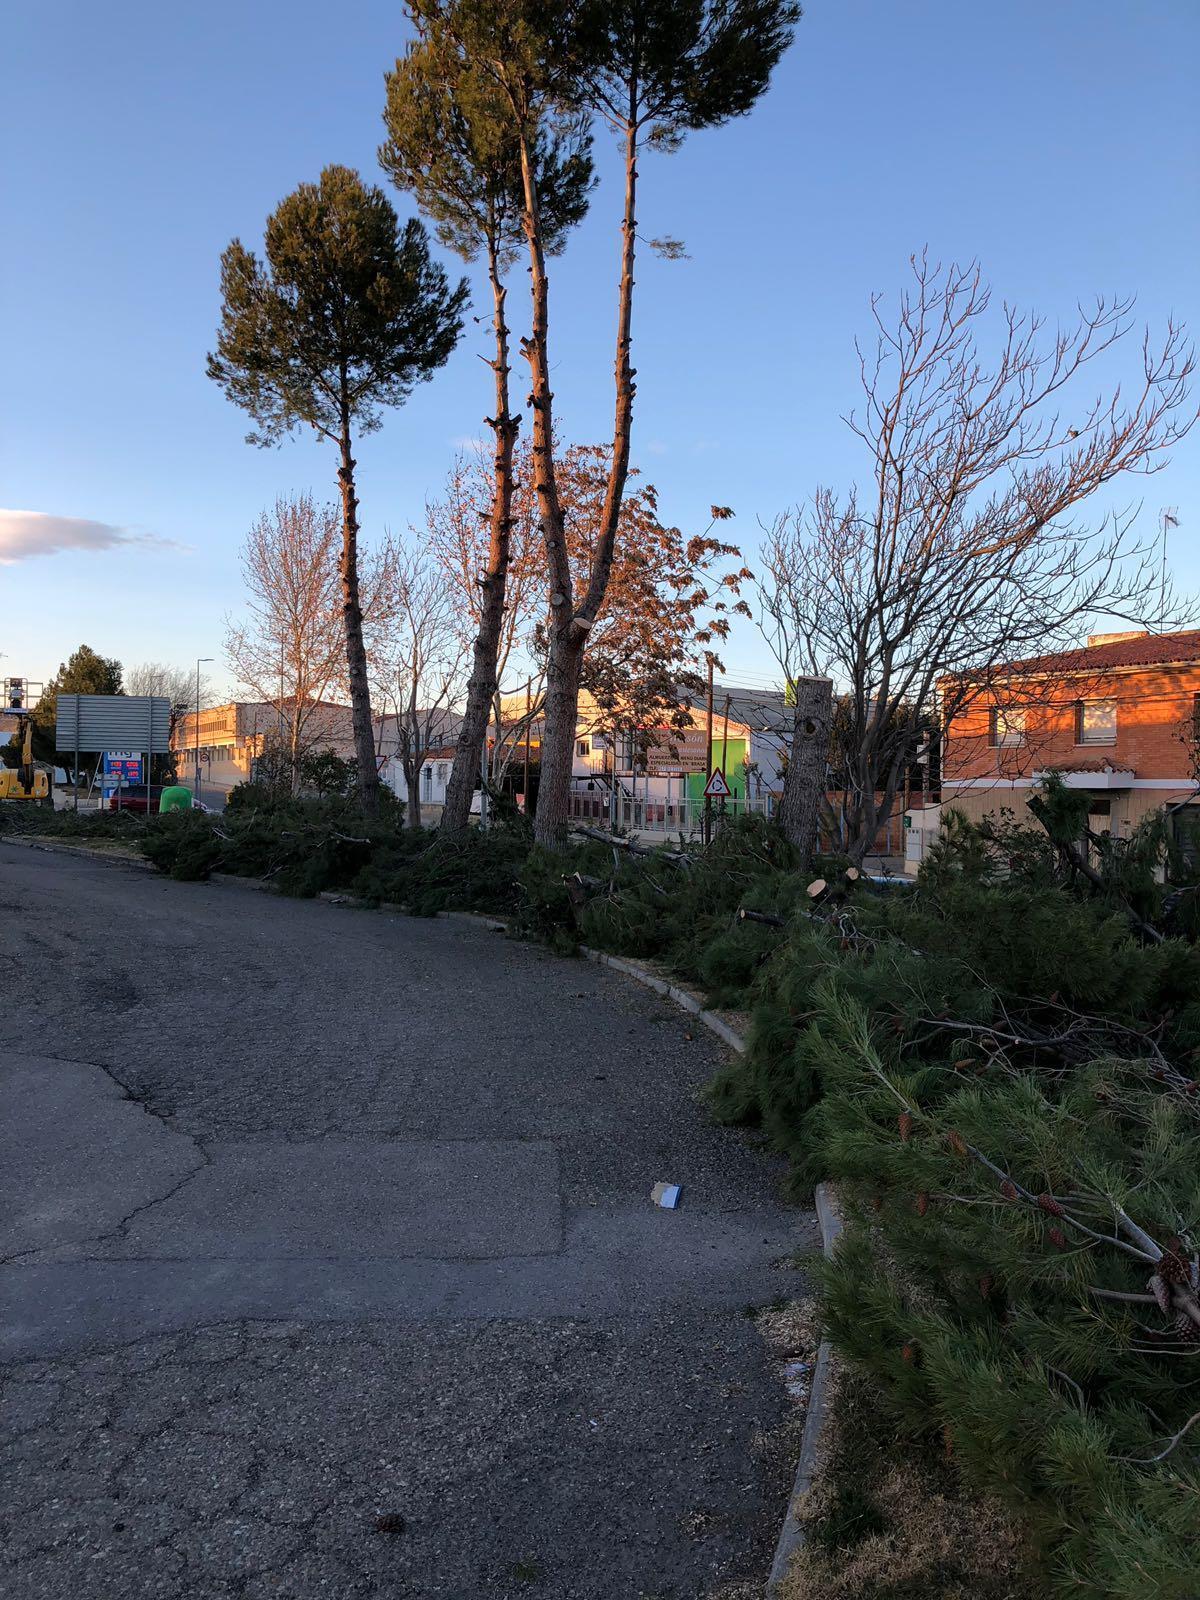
<point>482,688</point>
<point>569,628</point>
<point>356,654</point>
<point>808,758</point>
<point>412,782</point>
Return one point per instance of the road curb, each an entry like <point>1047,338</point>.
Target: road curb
<point>681,997</point>
<point>820,1403</point>
<point>86,852</point>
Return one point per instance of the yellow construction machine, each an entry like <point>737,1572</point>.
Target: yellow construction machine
<point>25,781</point>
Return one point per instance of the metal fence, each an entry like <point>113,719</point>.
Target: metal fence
<point>668,819</point>
<point>665,819</point>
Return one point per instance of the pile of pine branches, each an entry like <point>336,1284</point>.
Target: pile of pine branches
<point>1000,1072</point>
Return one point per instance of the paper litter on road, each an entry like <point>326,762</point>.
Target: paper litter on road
<point>665,1195</point>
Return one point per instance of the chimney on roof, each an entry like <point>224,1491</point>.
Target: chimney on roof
<point>1116,638</point>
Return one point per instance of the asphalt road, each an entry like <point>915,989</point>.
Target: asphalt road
<point>330,1268</point>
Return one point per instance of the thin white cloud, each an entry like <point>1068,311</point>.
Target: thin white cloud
<point>24,535</point>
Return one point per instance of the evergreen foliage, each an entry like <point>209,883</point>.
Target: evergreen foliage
<point>346,313</point>
<point>998,1071</point>
<point>85,671</point>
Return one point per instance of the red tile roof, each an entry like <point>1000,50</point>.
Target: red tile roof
<point>1147,650</point>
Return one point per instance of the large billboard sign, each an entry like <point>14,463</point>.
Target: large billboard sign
<point>91,723</point>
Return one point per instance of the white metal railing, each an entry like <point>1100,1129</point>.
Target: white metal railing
<point>659,816</point>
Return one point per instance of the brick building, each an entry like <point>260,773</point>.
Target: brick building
<point>1118,718</point>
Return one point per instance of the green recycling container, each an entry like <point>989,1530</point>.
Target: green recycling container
<point>175,797</point>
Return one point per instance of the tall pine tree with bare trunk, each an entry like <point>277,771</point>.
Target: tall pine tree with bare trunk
<point>652,71</point>
<point>343,317</point>
<point>452,146</point>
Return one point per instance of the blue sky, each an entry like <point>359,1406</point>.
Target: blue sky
<point>1058,143</point>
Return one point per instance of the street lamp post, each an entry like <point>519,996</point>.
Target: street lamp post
<point>199,661</point>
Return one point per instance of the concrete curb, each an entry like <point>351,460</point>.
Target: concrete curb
<point>681,997</point>
<point>87,852</point>
<point>820,1402</point>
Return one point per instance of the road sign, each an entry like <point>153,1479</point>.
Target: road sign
<point>123,764</point>
<point>717,788</point>
<point>94,722</point>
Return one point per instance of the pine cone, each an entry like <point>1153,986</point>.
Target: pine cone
<point>957,1143</point>
<point>985,1286</point>
<point>1173,1266</point>
<point>1186,1329</point>
<point>1008,1189</point>
<point>908,1355</point>
<point>922,1203</point>
<point>905,1121</point>
<point>1057,1238</point>
<point>1050,1204</point>
<point>1160,1289</point>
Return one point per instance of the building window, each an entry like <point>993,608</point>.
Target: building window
<point>1007,727</point>
<point>584,747</point>
<point>427,774</point>
<point>1096,722</point>
<point>441,772</point>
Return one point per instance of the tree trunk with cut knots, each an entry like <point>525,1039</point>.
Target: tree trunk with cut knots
<point>808,760</point>
<point>356,654</point>
<point>483,687</point>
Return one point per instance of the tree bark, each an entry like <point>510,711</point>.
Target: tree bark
<point>482,688</point>
<point>808,757</point>
<point>356,654</point>
<point>412,781</point>
<point>569,629</point>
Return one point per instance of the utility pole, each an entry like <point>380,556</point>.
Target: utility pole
<point>708,754</point>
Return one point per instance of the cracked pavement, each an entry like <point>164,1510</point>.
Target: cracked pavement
<point>329,1266</point>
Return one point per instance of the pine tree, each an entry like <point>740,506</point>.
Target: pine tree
<point>343,317</point>
<point>451,145</point>
<point>652,71</point>
<point>85,671</point>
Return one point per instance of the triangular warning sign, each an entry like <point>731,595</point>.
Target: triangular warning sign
<point>716,788</point>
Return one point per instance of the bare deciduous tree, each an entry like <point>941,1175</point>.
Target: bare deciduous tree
<point>963,554</point>
<point>289,650</point>
<point>420,659</point>
<point>176,684</point>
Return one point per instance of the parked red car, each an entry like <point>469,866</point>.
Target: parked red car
<point>137,798</point>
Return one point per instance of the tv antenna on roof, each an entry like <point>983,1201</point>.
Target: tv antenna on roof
<point>1168,518</point>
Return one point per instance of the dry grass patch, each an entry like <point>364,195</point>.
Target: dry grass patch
<point>888,1520</point>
